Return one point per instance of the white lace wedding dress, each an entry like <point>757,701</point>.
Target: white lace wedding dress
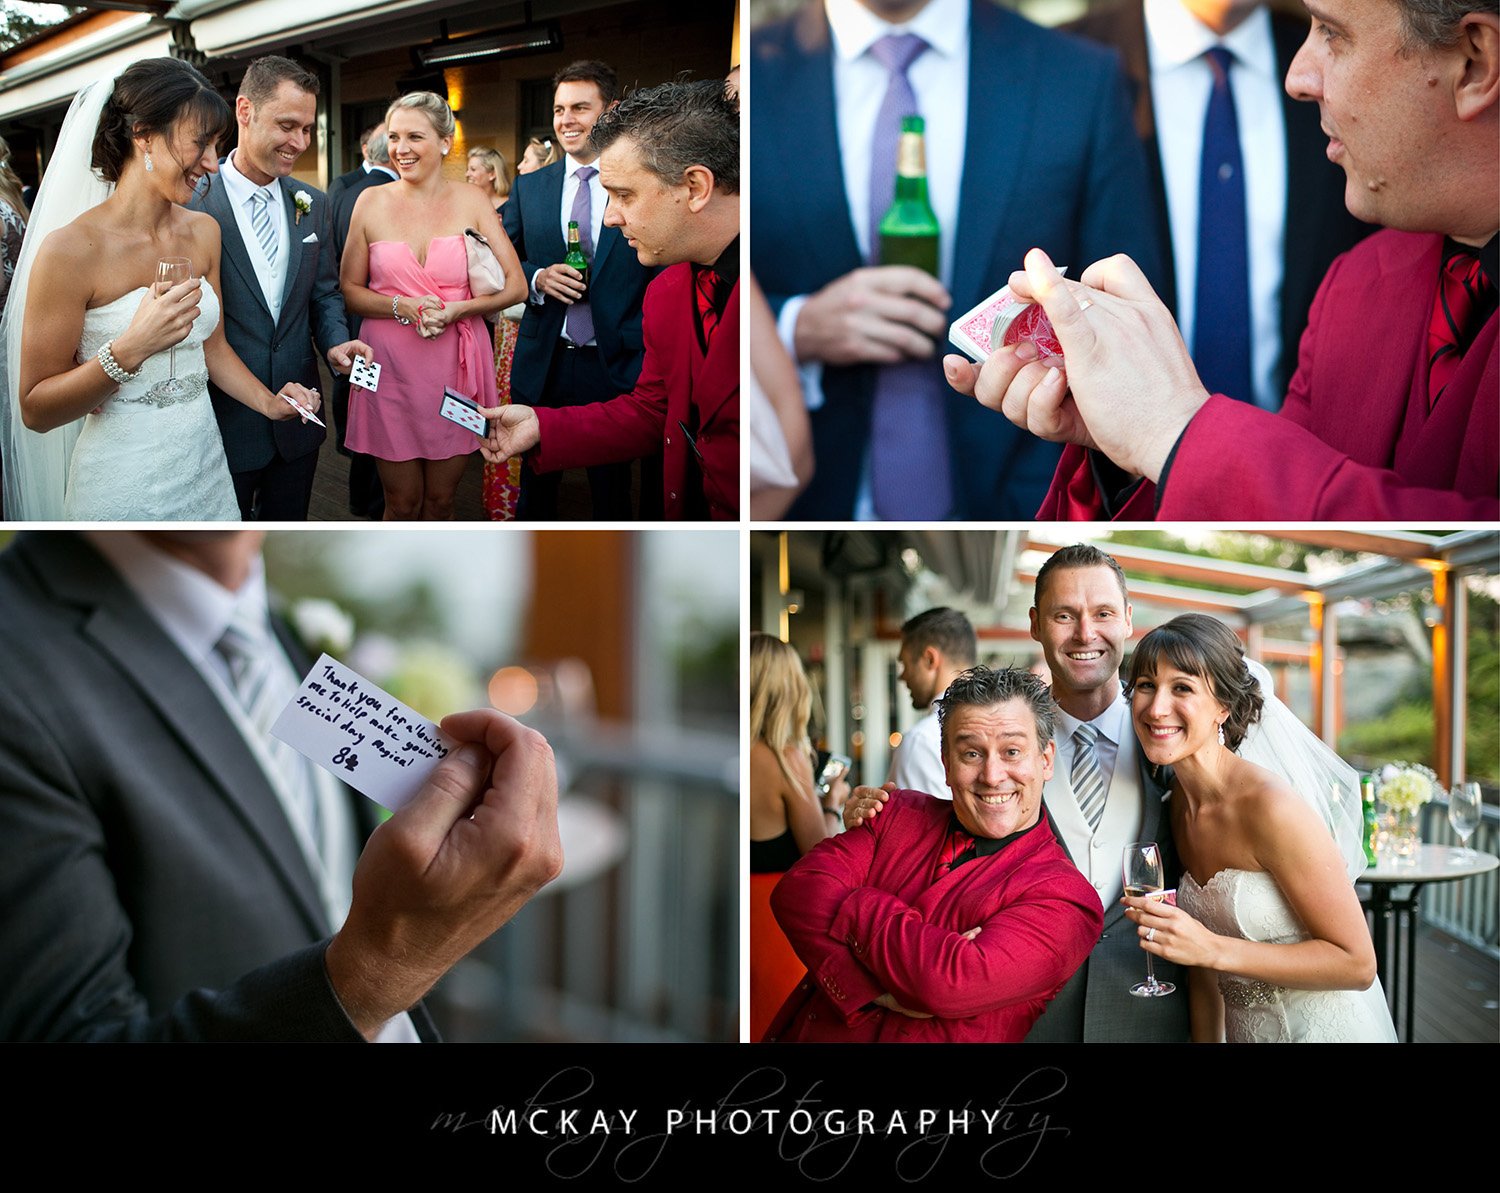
<point>1248,904</point>
<point>145,456</point>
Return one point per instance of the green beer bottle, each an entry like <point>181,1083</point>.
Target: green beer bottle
<point>575,256</point>
<point>1371,828</point>
<point>909,229</point>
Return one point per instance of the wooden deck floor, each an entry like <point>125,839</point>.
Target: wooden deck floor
<point>1458,991</point>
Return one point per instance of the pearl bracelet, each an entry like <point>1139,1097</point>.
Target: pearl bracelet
<point>112,368</point>
<point>396,314</point>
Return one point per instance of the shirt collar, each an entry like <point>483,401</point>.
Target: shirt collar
<point>727,266</point>
<point>985,846</point>
<point>193,609</point>
<point>943,25</point>
<point>1174,36</point>
<point>1110,723</point>
<point>239,187</point>
<point>571,167</point>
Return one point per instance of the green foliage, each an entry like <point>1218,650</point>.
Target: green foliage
<point>19,21</point>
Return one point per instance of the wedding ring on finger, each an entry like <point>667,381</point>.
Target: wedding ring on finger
<point>1150,934</point>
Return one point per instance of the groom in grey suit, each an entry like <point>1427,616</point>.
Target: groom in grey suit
<point>1102,796</point>
<point>280,283</point>
<point>154,882</point>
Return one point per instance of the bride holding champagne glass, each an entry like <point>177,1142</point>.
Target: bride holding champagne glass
<point>115,331</point>
<point>1266,822</point>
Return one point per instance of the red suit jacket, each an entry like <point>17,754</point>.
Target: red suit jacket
<point>1355,440</point>
<point>864,915</point>
<point>677,381</point>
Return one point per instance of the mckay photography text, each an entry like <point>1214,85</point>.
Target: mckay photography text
<point>776,1120</point>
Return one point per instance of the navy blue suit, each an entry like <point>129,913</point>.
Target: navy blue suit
<point>545,374</point>
<point>1057,166</point>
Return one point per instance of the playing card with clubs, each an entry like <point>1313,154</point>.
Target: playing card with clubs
<point>972,331</point>
<point>365,374</point>
<point>465,412</point>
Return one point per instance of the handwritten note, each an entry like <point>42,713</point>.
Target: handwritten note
<point>361,734</point>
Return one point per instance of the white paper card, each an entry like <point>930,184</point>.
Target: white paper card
<point>458,409</point>
<point>362,734</point>
<point>365,374</point>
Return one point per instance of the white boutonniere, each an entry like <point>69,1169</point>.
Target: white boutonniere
<point>303,202</point>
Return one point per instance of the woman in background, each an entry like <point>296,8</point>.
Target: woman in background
<point>539,152</point>
<point>787,817</point>
<point>488,171</point>
<point>13,217</point>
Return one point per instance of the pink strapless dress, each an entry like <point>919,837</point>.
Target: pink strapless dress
<point>400,421</point>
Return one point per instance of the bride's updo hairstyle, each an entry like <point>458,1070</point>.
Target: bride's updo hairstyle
<point>434,107</point>
<point>1196,644</point>
<point>151,97</point>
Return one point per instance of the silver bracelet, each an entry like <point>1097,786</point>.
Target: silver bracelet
<point>395,314</point>
<point>112,368</point>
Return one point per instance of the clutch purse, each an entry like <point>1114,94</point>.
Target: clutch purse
<point>485,275</point>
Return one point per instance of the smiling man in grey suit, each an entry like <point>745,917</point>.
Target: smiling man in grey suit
<point>280,285</point>
<point>165,873</point>
<point>1103,795</point>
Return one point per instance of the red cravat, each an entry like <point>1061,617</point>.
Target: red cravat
<point>1462,286</point>
<point>955,847</point>
<point>706,284</point>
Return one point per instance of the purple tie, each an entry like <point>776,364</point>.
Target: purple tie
<point>580,318</point>
<point>909,432</point>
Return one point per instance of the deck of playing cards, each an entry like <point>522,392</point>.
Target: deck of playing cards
<point>464,411</point>
<point>1003,319</point>
<point>365,374</point>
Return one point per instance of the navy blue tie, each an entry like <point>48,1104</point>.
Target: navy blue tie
<point>1221,319</point>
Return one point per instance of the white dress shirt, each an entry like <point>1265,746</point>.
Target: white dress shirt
<point>940,80</point>
<point>1181,84</point>
<point>240,190</point>
<point>598,197</point>
<point>194,611</point>
<point>917,764</point>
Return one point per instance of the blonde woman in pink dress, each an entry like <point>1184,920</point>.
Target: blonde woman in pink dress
<point>405,272</point>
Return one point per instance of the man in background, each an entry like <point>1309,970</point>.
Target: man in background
<point>935,646</point>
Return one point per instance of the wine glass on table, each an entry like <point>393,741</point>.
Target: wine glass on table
<point>170,271</point>
<point>1465,808</point>
<point>1144,877</point>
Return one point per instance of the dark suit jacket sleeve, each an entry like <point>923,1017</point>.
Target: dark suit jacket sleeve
<point>514,225</point>
<point>329,322</point>
<point>66,971</point>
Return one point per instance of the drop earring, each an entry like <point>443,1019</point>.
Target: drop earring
<point>1221,733</point>
<point>149,166</point>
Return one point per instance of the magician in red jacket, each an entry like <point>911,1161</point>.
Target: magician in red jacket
<point>1394,411</point>
<point>669,160</point>
<point>939,922</point>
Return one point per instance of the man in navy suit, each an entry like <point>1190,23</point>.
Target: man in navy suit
<point>281,292</point>
<point>1297,221</point>
<point>1010,165</point>
<point>578,345</point>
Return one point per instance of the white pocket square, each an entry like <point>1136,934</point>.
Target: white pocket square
<point>310,238</point>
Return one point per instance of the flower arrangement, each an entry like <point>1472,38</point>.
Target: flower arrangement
<point>1406,786</point>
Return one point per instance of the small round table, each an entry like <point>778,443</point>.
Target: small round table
<point>1431,863</point>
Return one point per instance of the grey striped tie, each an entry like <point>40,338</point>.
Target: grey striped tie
<point>1087,778</point>
<point>263,690</point>
<point>260,220</point>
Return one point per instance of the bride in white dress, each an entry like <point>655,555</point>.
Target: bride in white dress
<point>92,432</point>
<point>1266,912</point>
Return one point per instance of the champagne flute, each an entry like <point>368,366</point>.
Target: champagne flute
<point>1465,809</point>
<point>170,271</point>
<point>1143,875</point>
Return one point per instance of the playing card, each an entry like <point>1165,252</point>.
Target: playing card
<point>461,410</point>
<point>365,374</point>
<point>302,410</point>
<point>971,332</point>
<point>361,734</point>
